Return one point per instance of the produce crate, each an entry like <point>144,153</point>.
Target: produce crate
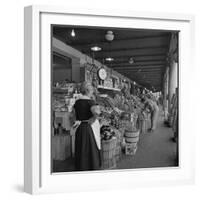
<point>130,149</point>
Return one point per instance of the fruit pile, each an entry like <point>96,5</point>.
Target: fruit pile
<point>107,132</point>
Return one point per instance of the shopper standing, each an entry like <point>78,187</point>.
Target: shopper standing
<point>87,136</point>
<point>154,110</point>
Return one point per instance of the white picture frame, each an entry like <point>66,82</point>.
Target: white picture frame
<point>37,171</point>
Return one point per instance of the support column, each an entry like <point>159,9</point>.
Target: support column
<point>173,67</point>
<point>166,93</point>
<point>173,82</point>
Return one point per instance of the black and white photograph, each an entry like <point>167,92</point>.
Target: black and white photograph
<point>114,98</point>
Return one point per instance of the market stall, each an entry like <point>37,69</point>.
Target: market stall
<point>122,116</point>
<point>127,68</point>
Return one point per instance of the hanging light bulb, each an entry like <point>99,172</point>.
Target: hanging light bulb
<point>96,48</point>
<point>109,36</point>
<point>131,60</point>
<point>73,33</point>
<point>109,59</point>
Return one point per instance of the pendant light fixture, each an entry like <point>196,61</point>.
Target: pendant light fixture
<point>109,59</point>
<point>96,48</point>
<point>131,60</point>
<point>73,33</point>
<point>109,36</point>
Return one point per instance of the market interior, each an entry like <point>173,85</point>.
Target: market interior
<point>124,65</point>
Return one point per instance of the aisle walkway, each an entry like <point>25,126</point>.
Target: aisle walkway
<point>155,149</point>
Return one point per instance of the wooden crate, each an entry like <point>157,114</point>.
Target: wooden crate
<point>130,149</point>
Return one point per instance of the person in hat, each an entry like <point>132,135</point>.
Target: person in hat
<point>152,107</point>
<point>87,135</point>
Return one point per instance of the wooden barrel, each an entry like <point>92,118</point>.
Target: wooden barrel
<point>131,139</point>
<point>132,134</point>
<point>118,153</point>
<point>108,153</point>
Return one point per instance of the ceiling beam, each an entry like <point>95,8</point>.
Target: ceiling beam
<point>150,67</point>
<point>142,63</point>
<point>118,62</point>
<point>132,53</point>
<point>139,69</point>
<point>146,80</point>
<point>86,49</point>
<point>145,76</point>
<point>157,71</point>
<point>125,43</point>
<point>139,58</point>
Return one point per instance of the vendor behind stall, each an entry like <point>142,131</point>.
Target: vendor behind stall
<point>87,136</point>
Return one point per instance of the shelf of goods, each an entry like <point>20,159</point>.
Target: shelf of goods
<point>60,90</point>
<point>124,123</point>
<point>119,123</point>
<point>108,88</point>
<point>63,99</point>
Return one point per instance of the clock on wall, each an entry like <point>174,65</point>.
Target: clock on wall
<point>102,73</point>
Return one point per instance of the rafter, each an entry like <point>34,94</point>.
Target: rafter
<point>144,63</point>
<point>125,43</point>
<point>132,53</point>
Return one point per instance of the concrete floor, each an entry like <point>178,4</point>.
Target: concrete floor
<point>155,149</point>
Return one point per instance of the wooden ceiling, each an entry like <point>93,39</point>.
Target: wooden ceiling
<point>148,48</point>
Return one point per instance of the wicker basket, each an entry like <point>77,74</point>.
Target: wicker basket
<point>118,153</point>
<point>108,153</point>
